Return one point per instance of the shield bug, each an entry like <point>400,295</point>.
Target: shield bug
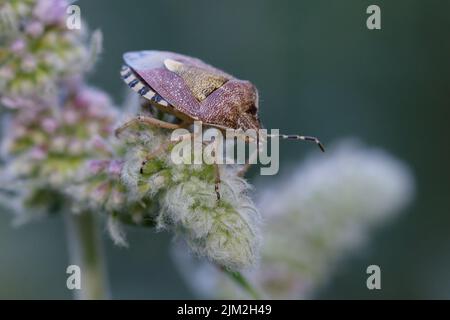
<point>192,90</point>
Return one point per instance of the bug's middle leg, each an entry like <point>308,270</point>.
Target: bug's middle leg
<point>248,163</point>
<point>149,121</point>
<point>217,180</point>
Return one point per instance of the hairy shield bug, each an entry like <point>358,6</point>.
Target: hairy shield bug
<point>192,90</point>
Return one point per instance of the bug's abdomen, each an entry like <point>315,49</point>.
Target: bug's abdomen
<point>143,89</point>
<point>137,85</point>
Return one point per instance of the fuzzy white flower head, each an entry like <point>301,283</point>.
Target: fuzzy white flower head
<point>325,208</point>
<point>328,207</point>
<point>225,231</point>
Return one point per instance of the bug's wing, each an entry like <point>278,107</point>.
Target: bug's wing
<point>202,82</point>
<point>150,59</point>
<point>181,80</point>
<point>149,65</point>
<point>144,60</point>
<point>173,89</point>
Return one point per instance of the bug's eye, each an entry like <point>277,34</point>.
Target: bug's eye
<point>252,109</point>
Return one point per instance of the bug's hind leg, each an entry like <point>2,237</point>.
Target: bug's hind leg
<point>148,121</point>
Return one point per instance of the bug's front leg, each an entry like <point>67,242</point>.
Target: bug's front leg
<point>149,121</point>
<point>252,157</point>
<point>162,148</point>
<point>154,154</point>
<point>248,163</point>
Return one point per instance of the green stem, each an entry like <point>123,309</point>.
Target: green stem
<point>86,251</point>
<point>239,279</point>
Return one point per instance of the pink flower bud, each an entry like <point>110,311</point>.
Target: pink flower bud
<point>51,11</point>
<point>70,116</point>
<point>49,125</point>
<point>38,153</point>
<point>96,166</point>
<point>100,192</point>
<point>18,46</point>
<point>34,29</point>
<point>115,167</point>
<point>29,63</point>
<point>92,99</point>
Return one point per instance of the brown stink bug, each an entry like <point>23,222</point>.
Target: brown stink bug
<point>192,90</point>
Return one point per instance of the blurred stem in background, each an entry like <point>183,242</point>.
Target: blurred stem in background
<point>86,251</point>
<point>242,282</point>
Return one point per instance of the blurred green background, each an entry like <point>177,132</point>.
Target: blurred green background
<point>319,71</point>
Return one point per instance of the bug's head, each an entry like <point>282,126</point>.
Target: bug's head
<point>248,117</point>
<point>248,109</point>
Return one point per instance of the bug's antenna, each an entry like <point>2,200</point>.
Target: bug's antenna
<point>296,137</point>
